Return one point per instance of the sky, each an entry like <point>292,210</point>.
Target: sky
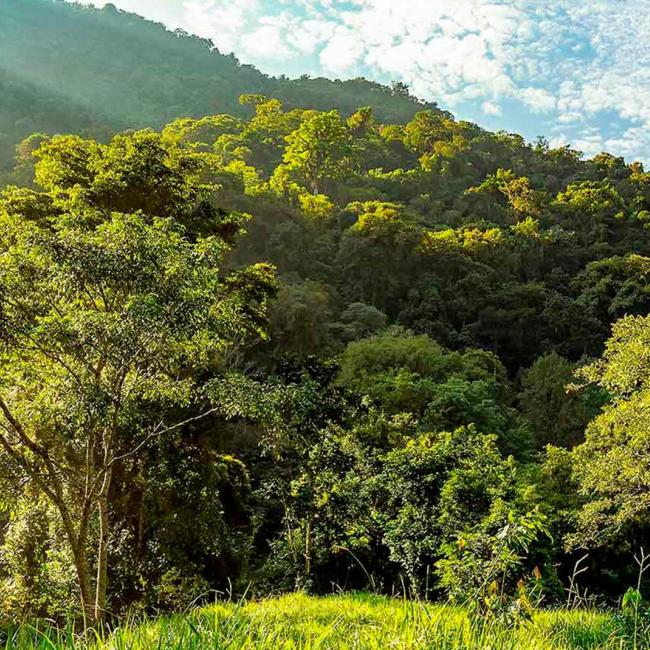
<point>574,71</point>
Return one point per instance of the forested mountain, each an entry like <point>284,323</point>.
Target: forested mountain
<point>278,347</point>
<point>66,67</point>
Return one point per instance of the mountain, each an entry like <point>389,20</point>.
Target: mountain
<point>71,68</point>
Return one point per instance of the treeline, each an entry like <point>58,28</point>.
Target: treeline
<point>403,376</point>
<point>96,72</point>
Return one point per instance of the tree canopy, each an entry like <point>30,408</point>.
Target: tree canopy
<point>302,334</point>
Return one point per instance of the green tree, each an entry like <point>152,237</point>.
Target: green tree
<point>435,487</point>
<point>484,568</point>
<point>113,307</point>
<point>360,320</point>
<point>612,466</point>
<point>520,198</point>
<point>301,319</point>
<point>614,287</point>
<point>318,152</point>
<point>593,208</point>
<point>443,390</point>
<point>377,252</point>
<point>557,413</point>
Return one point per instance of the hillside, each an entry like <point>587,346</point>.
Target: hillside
<point>273,348</point>
<point>97,71</point>
<point>405,310</point>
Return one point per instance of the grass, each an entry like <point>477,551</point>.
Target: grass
<point>300,622</point>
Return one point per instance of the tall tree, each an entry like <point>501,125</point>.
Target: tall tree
<point>318,151</point>
<point>612,466</point>
<point>114,311</point>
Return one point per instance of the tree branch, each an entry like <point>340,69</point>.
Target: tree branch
<point>159,432</point>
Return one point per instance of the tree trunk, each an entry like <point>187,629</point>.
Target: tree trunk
<point>78,540</point>
<point>307,552</point>
<point>102,554</point>
<point>102,563</point>
<point>85,590</point>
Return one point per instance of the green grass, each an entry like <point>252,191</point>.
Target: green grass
<point>341,622</point>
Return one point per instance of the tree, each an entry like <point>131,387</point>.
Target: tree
<point>426,128</point>
<point>301,319</point>
<point>114,308</point>
<point>614,287</point>
<point>203,134</point>
<point>443,390</point>
<point>593,208</point>
<point>484,568</point>
<point>377,251</point>
<point>400,88</point>
<point>434,487</point>
<point>265,134</point>
<point>318,151</point>
<point>612,466</point>
<point>306,457</point>
<point>558,415</point>
<point>360,320</point>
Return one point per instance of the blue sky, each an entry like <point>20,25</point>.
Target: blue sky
<point>575,71</point>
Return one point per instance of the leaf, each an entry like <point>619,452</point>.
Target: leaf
<point>631,599</point>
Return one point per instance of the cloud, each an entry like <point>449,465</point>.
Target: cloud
<point>538,100</point>
<point>268,39</point>
<point>578,65</point>
<point>491,108</point>
<point>342,52</point>
<point>224,23</point>
<point>309,35</point>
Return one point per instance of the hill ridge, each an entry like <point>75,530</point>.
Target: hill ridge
<point>97,71</point>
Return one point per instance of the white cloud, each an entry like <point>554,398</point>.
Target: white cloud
<point>268,40</point>
<point>224,23</point>
<point>310,34</point>
<point>342,51</point>
<point>538,100</point>
<point>491,108</point>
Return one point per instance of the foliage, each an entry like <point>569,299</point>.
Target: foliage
<point>433,487</point>
<point>113,307</point>
<point>547,388</point>
<point>318,151</point>
<point>443,389</point>
<point>617,440</point>
<point>175,423</point>
<point>485,570</point>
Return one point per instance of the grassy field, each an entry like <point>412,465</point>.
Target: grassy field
<point>340,622</point>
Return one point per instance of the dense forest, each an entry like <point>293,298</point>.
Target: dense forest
<point>280,343</point>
